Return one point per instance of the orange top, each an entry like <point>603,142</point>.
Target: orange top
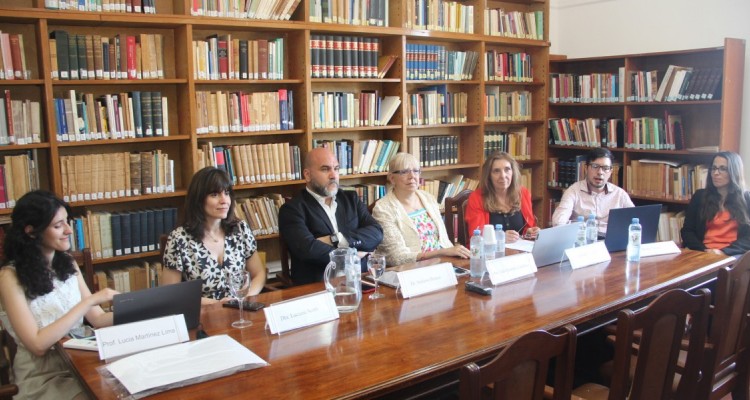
<point>721,231</point>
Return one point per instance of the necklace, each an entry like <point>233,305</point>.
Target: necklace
<point>214,238</point>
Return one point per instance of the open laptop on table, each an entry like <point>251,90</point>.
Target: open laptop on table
<point>619,221</point>
<point>180,298</point>
<point>551,243</point>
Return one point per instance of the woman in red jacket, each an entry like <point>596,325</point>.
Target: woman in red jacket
<point>500,199</point>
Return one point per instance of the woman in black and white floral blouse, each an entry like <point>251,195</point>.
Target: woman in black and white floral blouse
<point>212,239</point>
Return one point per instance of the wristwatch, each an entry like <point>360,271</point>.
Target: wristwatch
<point>335,240</point>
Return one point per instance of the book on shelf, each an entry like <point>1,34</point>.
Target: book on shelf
<point>121,6</point>
<point>508,67</point>
<point>13,57</point>
<point>514,141</point>
<point>453,17</point>
<point>344,56</point>
<point>434,151</point>
<point>514,24</point>
<point>384,64</point>
<point>20,174</point>
<point>669,179</point>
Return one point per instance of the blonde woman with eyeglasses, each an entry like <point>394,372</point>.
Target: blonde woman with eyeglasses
<point>717,220</point>
<point>413,228</point>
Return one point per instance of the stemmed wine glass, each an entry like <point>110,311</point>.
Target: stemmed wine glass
<point>238,283</point>
<point>376,266</point>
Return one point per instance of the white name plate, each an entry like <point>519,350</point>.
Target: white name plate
<point>301,312</point>
<point>121,340</point>
<point>659,249</point>
<point>427,279</point>
<point>509,268</point>
<point>587,255</point>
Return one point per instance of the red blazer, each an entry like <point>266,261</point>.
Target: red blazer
<point>476,215</point>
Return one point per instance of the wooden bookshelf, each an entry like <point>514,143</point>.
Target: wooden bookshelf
<point>179,27</point>
<point>706,122</point>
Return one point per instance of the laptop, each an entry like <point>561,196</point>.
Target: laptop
<point>619,221</point>
<point>180,298</point>
<point>551,243</point>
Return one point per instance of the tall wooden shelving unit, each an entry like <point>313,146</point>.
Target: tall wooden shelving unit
<point>179,29</point>
<point>714,122</point>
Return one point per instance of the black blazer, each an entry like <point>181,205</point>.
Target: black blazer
<point>694,229</point>
<point>302,220</point>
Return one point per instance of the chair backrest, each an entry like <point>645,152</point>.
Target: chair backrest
<point>730,329</point>
<point>285,276</point>
<point>8,349</point>
<point>455,209</point>
<point>520,370</point>
<point>86,265</point>
<point>663,324</point>
<point>162,246</point>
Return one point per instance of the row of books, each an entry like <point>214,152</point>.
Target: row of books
<point>514,141</point>
<point>348,110</point>
<point>434,151</point>
<point>508,67</point>
<point>256,163</point>
<point>223,112</point>
<point>336,56</point>
<point>20,120</point>
<point>434,62</point>
<point>655,133</point>
<point>368,193</point>
<point>587,88</point>
<point>506,106</point>
<point>82,117</point>
<point>13,57</point>
<point>350,12</point>
<point>440,15</point>
<point>122,56</point>
<point>448,187</point>
<point>515,24</point>
<point>434,105</point>
<point>220,57</point>
<point>116,6</point>
<point>279,10</point>
<point>112,175</point>
<point>670,225</point>
<point>563,173</point>
<point>18,175</point>
<point>260,212</point>
<point>109,234</point>
<point>128,278</point>
<point>361,156</point>
<point>688,83</point>
<point>588,132</point>
<point>665,179</point>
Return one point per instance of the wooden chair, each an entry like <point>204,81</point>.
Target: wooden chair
<point>86,264</point>
<point>7,354</point>
<point>520,370</point>
<point>728,350</point>
<point>663,326</point>
<point>455,224</point>
<point>285,276</point>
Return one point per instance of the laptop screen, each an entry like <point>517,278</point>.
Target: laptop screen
<point>180,298</point>
<point>619,221</point>
<point>551,244</point>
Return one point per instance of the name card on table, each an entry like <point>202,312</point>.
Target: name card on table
<point>121,340</point>
<point>427,279</point>
<point>509,268</point>
<point>659,249</point>
<point>587,255</point>
<point>301,312</point>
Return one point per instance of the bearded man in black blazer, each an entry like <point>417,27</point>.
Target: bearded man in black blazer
<point>322,218</point>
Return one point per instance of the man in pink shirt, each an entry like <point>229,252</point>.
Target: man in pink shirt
<point>593,194</point>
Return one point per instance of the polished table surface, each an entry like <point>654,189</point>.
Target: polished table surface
<point>392,343</point>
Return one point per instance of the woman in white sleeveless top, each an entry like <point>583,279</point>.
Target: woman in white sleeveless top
<point>45,297</point>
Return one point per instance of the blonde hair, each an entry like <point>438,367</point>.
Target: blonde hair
<point>513,194</point>
<point>401,161</point>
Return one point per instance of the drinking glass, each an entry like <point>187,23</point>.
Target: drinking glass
<point>238,283</point>
<point>376,266</point>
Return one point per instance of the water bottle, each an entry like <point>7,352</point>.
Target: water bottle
<point>500,241</point>
<point>488,235</point>
<point>592,230</point>
<point>476,245</point>
<point>581,235</point>
<point>634,241</point>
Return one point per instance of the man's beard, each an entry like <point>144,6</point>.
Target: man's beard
<point>322,190</point>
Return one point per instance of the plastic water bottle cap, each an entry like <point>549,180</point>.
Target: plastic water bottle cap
<point>592,216</point>
<point>580,218</point>
<point>476,232</point>
<point>499,226</point>
<point>635,221</point>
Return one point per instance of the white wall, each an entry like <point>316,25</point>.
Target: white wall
<point>591,28</point>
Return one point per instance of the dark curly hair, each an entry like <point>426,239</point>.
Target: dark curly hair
<point>36,209</point>
<point>205,182</point>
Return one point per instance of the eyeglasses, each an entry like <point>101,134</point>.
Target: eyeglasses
<point>605,168</point>
<point>402,172</point>
<point>721,168</point>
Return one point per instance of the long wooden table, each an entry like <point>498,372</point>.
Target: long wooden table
<point>393,343</point>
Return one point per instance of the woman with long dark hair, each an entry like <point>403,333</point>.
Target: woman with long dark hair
<point>44,296</point>
<point>717,220</point>
<point>212,239</point>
